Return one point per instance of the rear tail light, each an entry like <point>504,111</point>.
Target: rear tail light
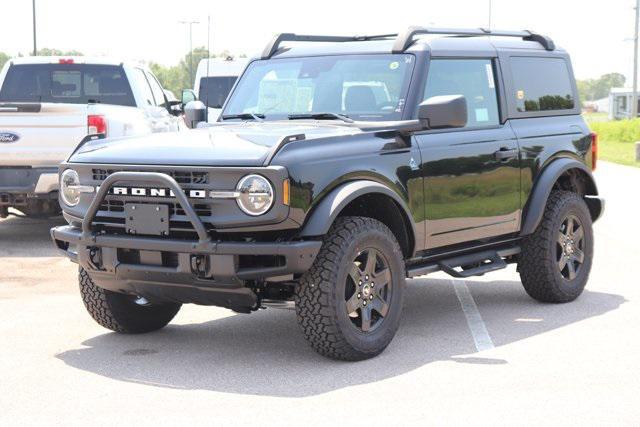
<point>65,61</point>
<point>96,125</point>
<point>594,150</point>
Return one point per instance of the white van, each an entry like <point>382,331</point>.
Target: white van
<point>213,86</point>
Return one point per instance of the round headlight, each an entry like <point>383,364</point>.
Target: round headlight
<point>256,195</point>
<point>69,181</point>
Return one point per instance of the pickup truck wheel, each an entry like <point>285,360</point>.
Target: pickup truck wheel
<point>124,313</point>
<point>556,259</point>
<point>349,303</point>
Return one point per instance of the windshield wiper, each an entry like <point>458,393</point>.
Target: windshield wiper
<point>244,116</point>
<point>321,116</point>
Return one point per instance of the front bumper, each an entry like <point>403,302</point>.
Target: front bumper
<point>189,271</point>
<point>183,271</point>
<point>221,258</point>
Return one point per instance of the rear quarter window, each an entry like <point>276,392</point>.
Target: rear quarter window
<point>542,84</point>
<point>67,84</point>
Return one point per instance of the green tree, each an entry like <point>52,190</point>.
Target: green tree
<point>170,77</point>
<point>603,85</point>
<point>176,77</point>
<point>199,53</point>
<point>592,89</point>
<point>57,52</point>
<point>3,59</point>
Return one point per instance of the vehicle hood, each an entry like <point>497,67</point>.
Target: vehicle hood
<point>234,144</point>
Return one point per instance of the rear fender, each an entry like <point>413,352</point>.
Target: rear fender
<point>544,185</point>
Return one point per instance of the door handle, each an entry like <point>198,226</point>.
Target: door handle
<point>505,153</point>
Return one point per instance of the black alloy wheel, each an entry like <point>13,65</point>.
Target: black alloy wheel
<point>369,290</point>
<point>570,247</point>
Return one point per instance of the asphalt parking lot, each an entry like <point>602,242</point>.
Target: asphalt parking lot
<point>478,351</point>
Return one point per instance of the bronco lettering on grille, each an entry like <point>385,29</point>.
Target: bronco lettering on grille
<point>153,192</point>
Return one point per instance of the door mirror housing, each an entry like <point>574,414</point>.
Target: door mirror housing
<point>441,112</point>
<point>195,112</point>
<point>175,108</point>
<point>188,95</point>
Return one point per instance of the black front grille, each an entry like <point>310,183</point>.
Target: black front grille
<point>181,177</point>
<point>111,218</point>
<point>112,205</point>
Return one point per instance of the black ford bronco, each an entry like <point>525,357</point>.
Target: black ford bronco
<point>337,170</point>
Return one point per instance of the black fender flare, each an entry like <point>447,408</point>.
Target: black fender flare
<point>327,210</point>
<point>535,207</point>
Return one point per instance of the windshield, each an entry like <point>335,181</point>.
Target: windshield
<point>67,84</point>
<point>362,87</point>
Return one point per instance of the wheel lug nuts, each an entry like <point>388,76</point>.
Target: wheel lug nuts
<point>372,284</point>
<point>359,296</point>
<point>364,303</point>
<point>370,297</point>
<point>366,277</point>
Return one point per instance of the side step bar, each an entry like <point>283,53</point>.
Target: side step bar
<point>473,264</point>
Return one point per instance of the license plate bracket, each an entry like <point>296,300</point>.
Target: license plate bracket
<point>151,220</point>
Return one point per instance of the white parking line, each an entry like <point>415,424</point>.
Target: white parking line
<point>474,319</point>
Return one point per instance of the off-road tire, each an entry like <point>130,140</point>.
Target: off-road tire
<point>120,313</point>
<point>537,263</point>
<point>319,307</point>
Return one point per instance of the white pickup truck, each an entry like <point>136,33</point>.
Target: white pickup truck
<point>48,105</point>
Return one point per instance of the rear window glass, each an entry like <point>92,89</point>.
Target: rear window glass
<point>542,84</point>
<point>214,90</point>
<point>67,84</point>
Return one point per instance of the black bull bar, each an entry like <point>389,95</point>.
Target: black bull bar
<point>221,256</point>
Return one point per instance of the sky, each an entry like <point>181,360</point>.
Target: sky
<point>597,34</point>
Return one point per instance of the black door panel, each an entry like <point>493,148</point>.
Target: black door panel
<point>472,184</point>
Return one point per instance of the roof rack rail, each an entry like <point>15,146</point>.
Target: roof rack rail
<point>405,39</point>
<point>274,44</point>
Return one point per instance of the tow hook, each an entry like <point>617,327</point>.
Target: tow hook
<point>95,258</point>
<point>200,265</point>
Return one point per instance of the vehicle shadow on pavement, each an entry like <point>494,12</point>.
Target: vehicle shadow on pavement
<point>28,237</point>
<point>265,354</point>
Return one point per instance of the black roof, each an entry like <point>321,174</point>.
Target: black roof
<point>457,41</point>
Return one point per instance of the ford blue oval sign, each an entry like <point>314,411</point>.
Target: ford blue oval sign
<point>8,137</point>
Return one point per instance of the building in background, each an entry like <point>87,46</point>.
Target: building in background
<point>620,103</point>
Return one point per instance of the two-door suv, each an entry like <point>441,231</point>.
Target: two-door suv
<point>339,167</point>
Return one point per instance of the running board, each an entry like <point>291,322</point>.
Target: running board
<point>473,264</point>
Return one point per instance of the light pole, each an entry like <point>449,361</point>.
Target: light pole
<point>35,48</point>
<point>634,96</point>
<point>190,23</point>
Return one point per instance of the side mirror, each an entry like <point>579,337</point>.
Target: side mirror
<point>447,111</point>
<point>188,95</point>
<point>195,112</point>
<point>175,108</point>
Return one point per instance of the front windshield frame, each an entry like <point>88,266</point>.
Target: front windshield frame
<point>407,60</point>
